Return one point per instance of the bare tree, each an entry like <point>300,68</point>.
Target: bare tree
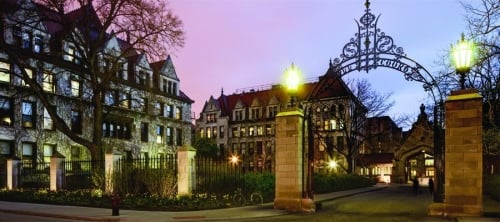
<point>85,27</point>
<point>483,20</point>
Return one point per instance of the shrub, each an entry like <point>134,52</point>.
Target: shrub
<point>261,182</point>
<point>491,183</point>
<point>325,183</point>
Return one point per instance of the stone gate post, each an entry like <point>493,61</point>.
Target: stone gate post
<point>13,173</point>
<point>186,169</point>
<point>109,168</point>
<point>463,184</point>
<point>290,182</point>
<point>56,171</point>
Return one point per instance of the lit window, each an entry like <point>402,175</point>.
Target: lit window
<point>209,132</point>
<point>28,114</point>
<point>178,113</point>
<point>6,111</point>
<point>48,151</point>
<point>4,72</point>
<point>47,120</point>
<point>125,100</point>
<point>251,131</point>
<point>76,88</point>
<point>260,130</point>
<point>48,82</point>
<point>29,72</point>
<point>214,131</point>
<point>159,134</point>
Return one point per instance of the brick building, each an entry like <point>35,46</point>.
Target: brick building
<point>146,112</point>
<point>243,123</point>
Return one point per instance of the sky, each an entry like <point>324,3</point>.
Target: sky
<point>236,44</point>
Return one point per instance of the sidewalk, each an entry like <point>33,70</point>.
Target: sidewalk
<point>233,214</point>
<point>102,214</point>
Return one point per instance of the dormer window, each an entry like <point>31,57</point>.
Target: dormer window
<point>141,78</point>
<point>272,111</point>
<point>255,113</point>
<point>38,44</point>
<point>238,115</point>
<point>211,118</point>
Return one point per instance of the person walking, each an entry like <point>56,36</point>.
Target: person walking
<point>415,185</point>
<point>431,185</point>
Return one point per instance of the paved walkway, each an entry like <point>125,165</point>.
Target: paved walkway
<point>233,214</point>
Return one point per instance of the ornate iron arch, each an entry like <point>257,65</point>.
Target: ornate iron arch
<point>371,48</point>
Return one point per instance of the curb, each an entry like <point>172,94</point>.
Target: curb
<point>53,215</point>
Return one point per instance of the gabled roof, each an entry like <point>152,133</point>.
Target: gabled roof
<point>165,67</point>
<point>375,158</point>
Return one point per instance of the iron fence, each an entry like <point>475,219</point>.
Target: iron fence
<point>3,172</point>
<point>146,175</point>
<point>217,176</point>
<point>34,174</point>
<point>77,174</point>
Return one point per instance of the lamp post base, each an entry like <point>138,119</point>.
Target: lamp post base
<point>295,204</point>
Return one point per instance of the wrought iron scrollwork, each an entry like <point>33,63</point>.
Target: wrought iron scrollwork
<point>371,48</point>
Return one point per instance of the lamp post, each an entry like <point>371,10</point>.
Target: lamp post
<point>292,79</point>
<point>463,56</point>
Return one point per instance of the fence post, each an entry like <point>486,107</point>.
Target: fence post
<point>109,166</point>
<point>56,171</point>
<point>185,170</point>
<point>12,173</point>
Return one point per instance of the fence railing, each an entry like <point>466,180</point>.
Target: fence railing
<point>77,174</point>
<point>34,174</point>
<point>217,176</point>
<point>146,175</point>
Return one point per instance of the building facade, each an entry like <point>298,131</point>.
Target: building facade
<point>243,123</point>
<point>145,112</point>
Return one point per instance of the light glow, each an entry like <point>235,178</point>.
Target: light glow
<point>234,159</point>
<point>332,164</point>
<point>292,78</point>
<point>463,55</point>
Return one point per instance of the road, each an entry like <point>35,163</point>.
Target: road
<point>28,218</point>
<point>394,204</point>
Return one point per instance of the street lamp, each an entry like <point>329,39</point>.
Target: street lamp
<point>463,57</point>
<point>234,159</point>
<point>292,80</point>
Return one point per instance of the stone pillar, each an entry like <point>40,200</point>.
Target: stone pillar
<point>463,193</point>
<point>109,166</point>
<point>56,171</point>
<point>13,173</point>
<point>186,170</point>
<point>290,168</point>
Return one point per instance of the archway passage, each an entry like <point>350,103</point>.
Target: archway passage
<point>369,49</point>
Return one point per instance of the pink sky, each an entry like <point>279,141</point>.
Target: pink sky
<point>234,44</point>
